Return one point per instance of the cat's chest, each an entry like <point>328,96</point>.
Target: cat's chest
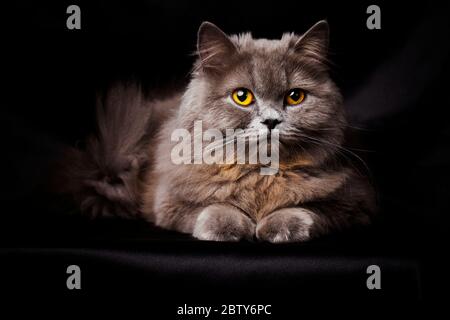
<point>259,195</point>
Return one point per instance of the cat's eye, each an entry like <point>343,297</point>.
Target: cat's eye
<point>294,97</point>
<point>242,96</point>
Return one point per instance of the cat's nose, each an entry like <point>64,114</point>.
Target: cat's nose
<point>271,123</point>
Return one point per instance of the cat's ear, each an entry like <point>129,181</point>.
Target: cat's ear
<point>314,42</point>
<point>214,47</point>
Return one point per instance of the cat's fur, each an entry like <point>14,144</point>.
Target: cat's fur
<point>127,170</point>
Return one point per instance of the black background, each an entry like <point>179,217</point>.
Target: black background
<point>394,81</point>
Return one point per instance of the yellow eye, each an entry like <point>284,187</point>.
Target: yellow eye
<point>242,97</point>
<point>295,97</point>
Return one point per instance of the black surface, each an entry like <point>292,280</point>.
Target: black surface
<point>394,80</point>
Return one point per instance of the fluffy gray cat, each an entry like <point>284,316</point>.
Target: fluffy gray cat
<point>237,82</point>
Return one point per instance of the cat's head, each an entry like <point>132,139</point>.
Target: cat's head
<point>246,83</point>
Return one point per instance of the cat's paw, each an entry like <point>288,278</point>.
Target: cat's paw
<point>286,225</point>
<point>223,223</point>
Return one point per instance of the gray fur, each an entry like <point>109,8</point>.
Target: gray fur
<point>313,193</point>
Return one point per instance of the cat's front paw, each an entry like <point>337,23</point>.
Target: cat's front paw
<point>286,225</point>
<point>223,223</point>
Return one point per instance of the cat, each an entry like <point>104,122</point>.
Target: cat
<point>237,82</point>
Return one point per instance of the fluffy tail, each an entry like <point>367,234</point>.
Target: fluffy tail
<point>104,177</point>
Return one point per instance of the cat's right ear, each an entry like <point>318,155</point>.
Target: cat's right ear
<point>214,47</point>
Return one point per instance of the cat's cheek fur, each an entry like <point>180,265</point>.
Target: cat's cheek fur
<point>220,222</point>
<point>286,225</point>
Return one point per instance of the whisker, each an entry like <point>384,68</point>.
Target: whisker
<point>339,149</point>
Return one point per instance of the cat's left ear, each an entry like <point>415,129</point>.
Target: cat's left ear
<point>214,47</point>
<point>314,42</point>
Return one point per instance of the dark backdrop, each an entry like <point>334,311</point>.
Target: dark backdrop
<point>394,81</point>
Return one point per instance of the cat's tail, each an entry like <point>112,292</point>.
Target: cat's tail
<point>104,177</point>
